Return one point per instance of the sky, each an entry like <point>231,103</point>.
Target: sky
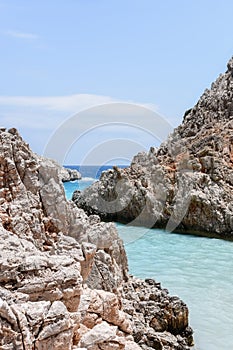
<point>60,58</point>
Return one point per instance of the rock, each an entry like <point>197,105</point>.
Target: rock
<point>70,174</point>
<point>154,314</point>
<point>187,184</point>
<point>130,345</point>
<point>106,305</point>
<point>64,282</point>
<point>101,333</point>
<point>65,174</point>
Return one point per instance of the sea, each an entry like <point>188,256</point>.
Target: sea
<point>197,269</point>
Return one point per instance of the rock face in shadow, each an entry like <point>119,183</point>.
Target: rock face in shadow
<point>64,282</point>
<point>186,184</point>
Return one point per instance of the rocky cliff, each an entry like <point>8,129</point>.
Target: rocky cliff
<point>186,184</point>
<point>64,282</point>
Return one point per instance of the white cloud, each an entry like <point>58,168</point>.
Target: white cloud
<point>21,35</point>
<point>48,112</point>
<point>69,104</point>
<point>45,112</point>
<point>38,117</point>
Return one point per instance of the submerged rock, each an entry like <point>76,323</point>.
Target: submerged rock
<point>186,184</point>
<point>64,282</point>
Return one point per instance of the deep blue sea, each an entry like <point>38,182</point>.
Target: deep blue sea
<point>197,269</point>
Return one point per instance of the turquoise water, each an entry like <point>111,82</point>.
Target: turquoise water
<point>199,270</point>
<point>72,186</point>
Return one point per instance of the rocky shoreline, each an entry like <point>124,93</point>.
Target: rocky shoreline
<point>64,282</point>
<point>187,184</point>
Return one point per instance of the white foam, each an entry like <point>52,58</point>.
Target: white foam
<point>87,179</point>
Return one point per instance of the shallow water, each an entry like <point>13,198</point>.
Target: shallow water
<point>72,186</point>
<point>197,269</point>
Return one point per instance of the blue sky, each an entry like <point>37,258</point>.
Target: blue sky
<point>60,57</point>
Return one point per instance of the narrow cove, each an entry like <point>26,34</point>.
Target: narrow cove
<point>197,269</point>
